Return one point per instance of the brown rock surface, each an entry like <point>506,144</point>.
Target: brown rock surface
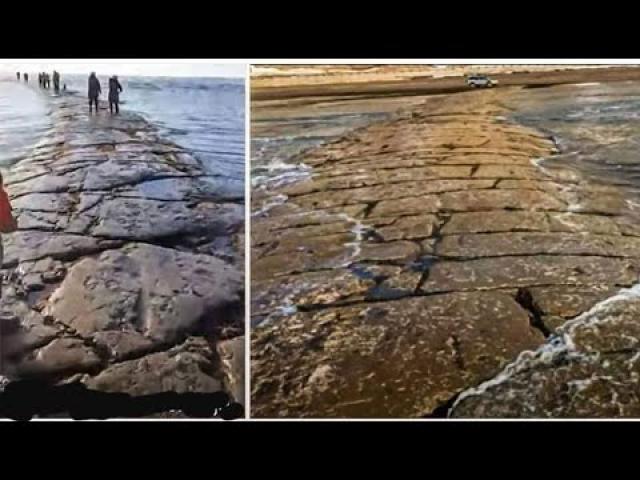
<point>185,368</point>
<point>128,255</point>
<point>387,359</point>
<point>421,255</point>
<point>590,369</point>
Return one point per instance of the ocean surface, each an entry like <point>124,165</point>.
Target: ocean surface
<point>23,120</point>
<point>281,131</point>
<point>596,127</point>
<point>204,115</point>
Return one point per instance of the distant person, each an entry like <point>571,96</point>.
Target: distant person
<point>18,75</point>
<point>26,77</point>
<point>114,94</point>
<point>56,81</point>
<point>40,79</point>
<point>94,91</point>
<point>64,87</point>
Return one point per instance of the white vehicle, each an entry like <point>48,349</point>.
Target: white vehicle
<point>481,81</point>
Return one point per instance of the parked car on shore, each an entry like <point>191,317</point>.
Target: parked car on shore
<point>481,81</point>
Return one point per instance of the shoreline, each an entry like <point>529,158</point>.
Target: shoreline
<point>126,272</point>
<point>444,85</point>
<point>29,133</point>
<point>274,117</point>
<point>422,256</point>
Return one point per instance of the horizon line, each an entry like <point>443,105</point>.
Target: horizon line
<point>240,77</point>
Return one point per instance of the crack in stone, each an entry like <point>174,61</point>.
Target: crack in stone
<point>437,236</point>
<point>396,140</point>
<point>191,170</point>
<point>525,300</point>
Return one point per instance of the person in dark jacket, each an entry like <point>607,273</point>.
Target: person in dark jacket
<point>114,94</point>
<point>94,91</point>
<point>56,81</point>
<point>18,75</point>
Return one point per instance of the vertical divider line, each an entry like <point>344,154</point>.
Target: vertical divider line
<point>247,241</point>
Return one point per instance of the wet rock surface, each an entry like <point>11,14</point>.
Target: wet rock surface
<point>589,368</point>
<point>420,261</point>
<point>127,268</point>
<point>395,358</point>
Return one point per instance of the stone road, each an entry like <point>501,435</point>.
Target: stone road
<point>127,269</point>
<point>423,255</point>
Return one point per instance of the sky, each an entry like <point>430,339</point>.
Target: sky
<point>131,67</point>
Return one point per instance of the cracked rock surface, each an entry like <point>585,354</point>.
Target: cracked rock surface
<point>127,268</point>
<point>423,255</point>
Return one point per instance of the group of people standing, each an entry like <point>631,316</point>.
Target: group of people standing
<point>44,80</point>
<point>114,93</point>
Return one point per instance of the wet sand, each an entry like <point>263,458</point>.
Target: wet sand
<point>418,85</point>
<point>424,253</point>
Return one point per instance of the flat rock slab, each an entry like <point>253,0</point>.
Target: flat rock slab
<point>373,194</point>
<point>51,181</point>
<point>142,219</point>
<point>65,355</point>
<point>584,223</point>
<point>555,305</point>
<point>472,200</point>
<point>388,359</point>
<point>155,291</point>
<point>270,236</point>
<point>325,253</point>
<point>313,289</point>
<point>182,369</point>
<point>410,228</point>
<point>30,245</point>
<point>113,174</point>
<point>44,202</point>
<point>495,221</point>
<point>518,243</point>
<point>589,370</point>
<point>186,188</point>
<point>505,272</point>
<point>351,179</point>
